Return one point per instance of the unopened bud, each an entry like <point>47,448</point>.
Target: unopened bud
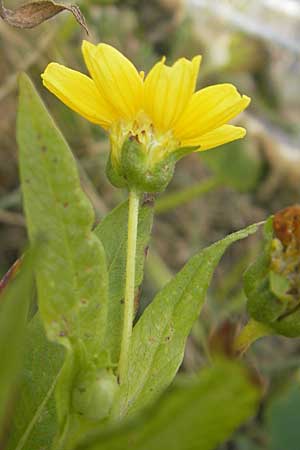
<point>94,394</point>
<point>272,283</point>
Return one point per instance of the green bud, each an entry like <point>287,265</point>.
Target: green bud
<point>272,283</point>
<point>94,393</point>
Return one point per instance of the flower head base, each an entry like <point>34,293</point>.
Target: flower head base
<point>154,117</point>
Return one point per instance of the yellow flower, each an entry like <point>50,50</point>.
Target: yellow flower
<point>161,111</point>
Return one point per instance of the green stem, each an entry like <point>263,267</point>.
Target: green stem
<point>178,198</point>
<point>133,213</point>
<point>250,333</point>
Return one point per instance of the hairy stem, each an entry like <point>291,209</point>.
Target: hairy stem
<point>133,213</point>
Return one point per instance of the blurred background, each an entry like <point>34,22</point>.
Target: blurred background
<point>256,46</point>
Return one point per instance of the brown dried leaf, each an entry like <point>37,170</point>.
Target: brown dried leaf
<point>35,13</point>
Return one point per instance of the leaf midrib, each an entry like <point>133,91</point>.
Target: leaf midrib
<point>30,426</point>
<point>138,392</point>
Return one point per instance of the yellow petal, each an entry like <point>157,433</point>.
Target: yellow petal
<point>78,92</point>
<point>88,50</point>
<point>208,109</point>
<point>219,136</point>
<point>116,78</point>
<point>169,89</point>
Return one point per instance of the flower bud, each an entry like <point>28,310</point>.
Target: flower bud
<point>272,283</point>
<point>94,394</point>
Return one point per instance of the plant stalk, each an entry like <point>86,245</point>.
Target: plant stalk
<point>249,334</point>
<point>133,213</point>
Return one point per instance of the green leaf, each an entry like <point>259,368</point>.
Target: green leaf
<point>262,305</point>
<point>260,268</point>
<point>71,277</point>
<point>112,231</point>
<point>35,422</point>
<point>198,415</point>
<point>14,305</point>
<point>282,419</point>
<point>159,337</point>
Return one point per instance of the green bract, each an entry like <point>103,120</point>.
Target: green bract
<point>135,172</point>
<point>270,296</point>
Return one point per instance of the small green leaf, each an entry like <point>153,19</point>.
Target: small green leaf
<point>35,423</point>
<point>71,277</point>
<point>279,285</point>
<point>198,415</point>
<point>14,305</point>
<point>262,305</point>
<point>159,337</point>
<point>260,268</point>
<point>112,231</point>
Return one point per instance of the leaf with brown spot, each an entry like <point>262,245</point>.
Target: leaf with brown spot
<point>33,14</point>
